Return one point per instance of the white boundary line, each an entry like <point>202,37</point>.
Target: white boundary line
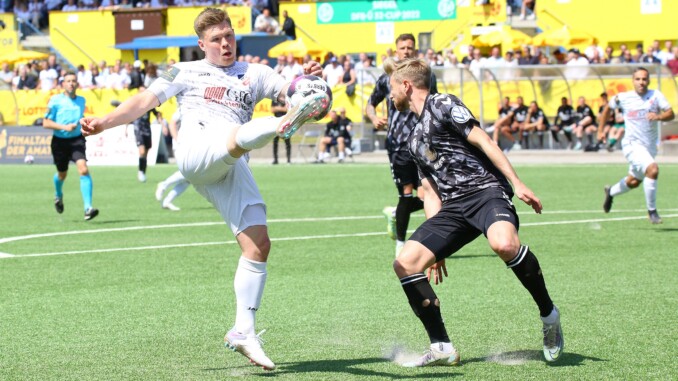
<point>5,255</point>
<point>328,236</point>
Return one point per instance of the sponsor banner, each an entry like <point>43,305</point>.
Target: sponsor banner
<point>342,12</point>
<point>116,146</point>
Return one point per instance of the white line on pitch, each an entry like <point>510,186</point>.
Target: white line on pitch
<point>5,255</point>
<point>328,236</point>
<point>275,220</point>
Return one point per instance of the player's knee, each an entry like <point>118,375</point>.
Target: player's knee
<point>632,182</point>
<point>506,248</point>
<point>652,171</point>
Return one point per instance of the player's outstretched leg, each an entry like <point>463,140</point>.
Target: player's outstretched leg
<point>309,107</point>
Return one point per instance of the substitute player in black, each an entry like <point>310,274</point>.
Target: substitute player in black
<point>399,124</point>
<point>142,133</point>
<point>279,109</point>
<point>585,123</point>
<point>472,177</point>
<point>564,121</point>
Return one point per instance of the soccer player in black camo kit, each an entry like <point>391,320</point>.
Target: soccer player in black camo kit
<point>472,178</point>
<point>403,168</point>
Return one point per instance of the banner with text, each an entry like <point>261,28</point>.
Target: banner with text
<point>341,12</point>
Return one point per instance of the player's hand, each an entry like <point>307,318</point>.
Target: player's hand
<point>70,127</point>
<point>524,193</point>
<point>652,116</point>
<point>313,68</point>
<point>91,126</point>
<point>379,122</point>
<point>437,271</point>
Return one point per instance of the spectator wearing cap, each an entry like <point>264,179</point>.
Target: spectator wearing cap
<point>333,72</point>
<point>559,56</point>
<point>136,77</point>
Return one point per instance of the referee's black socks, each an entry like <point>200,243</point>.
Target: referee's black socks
<point>142,164</point>
<point>526,267</point>
<point>425,305</point>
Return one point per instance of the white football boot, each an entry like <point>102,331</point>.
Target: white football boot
<point>250,347</point>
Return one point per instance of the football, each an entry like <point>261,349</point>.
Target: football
<point>304,86</point>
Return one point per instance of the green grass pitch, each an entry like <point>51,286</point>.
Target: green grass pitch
<point>141,293</point>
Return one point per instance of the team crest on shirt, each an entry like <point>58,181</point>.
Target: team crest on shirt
<point>170,74</point>
<point>460,114</point>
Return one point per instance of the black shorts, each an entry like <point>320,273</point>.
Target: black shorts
<point>403,169</point>
<point>65,150</point>
<point>461,221</point>
<point>143,136</point>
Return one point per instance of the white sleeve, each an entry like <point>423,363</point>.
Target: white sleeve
<point>614,102</point>
<point>168,84</point>
<point>661,101</point>
<point>270,83</point>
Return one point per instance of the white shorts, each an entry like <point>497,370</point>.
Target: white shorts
<point>639,158</point>
<point>203,155</point>
<point>237,198</point>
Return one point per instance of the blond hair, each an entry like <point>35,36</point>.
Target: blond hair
<point>208,18</point>
<point>414,70</point>
<point>389,65</point>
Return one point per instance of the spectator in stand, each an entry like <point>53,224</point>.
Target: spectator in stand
<point>151,74</point>
<point>333,72</point>
<point>47,79</point>
<point>98,81</point>
<point>117,79</point>
<point>584,123</point>
<point>626,57</point>
<point>527,10</point>
<point>504,119</point>
<point>649,57</point>
<point>84,77</point>
<point>518,116</point>
<point>609,57</point>
<point>536,56</point>
<point>622,49</point>
<point>495,59</point>
<point>21,12</point>
<point>466,61</point>
<point>345,130</point>
<point>665,55</point>
<point>476,63</point>
<point>70,6</point>
<point>589,51</point>
<point>53,64</point>
<point>535,121</point>
<point>6,6</point>
<point>348,79</point>
<point>333,137</point>
<point>282,62</point>
<point>509,60</point>
<point>136,77</point>
<point>38,12</point>
<point>526,56</point>
<point>638,55</point>
<point>24,81</point>
<point>559,56</point>
<point>564,121</point>
<point>6,75</point>
<point>289,29</point>
<point>575,58</point>
<point>673,62</point>
<point>292,68</point>
<point>596,59</point>
<point>266,23</point>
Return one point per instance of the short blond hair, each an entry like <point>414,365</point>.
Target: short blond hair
<point>416,70</point>
<point>389,65</point>
<point>208,18</point>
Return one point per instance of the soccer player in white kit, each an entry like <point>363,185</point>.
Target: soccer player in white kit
<point>642,109</point>
<point>216,98</point>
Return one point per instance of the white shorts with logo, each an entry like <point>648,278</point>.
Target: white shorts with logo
<point>224,181</point>
<point>639,158</point>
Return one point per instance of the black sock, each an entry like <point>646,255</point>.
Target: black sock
<point>425,305</point>
<point>403,216</point>
<point>416,204</point>
<point>275,149</point>
<point>526,267</point>
<point>142,164</point>
<point>541,138</point>
<point>555,136</point>
<point>589,137</point>
<point>288,148</point>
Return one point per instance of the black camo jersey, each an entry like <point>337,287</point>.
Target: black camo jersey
<point>399,123</point>
<point>442,152</point>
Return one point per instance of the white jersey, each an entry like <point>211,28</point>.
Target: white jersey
<point>638,129</point>
<point>214,94</point>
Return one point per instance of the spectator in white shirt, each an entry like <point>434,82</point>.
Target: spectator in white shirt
<point>117,79</point>
<point>494,60</point>
<point>47,79</point>
<point>333,72</point>
<point>292,69</point>
<point>6,74</point>
<point>70,6</point>
<point>266,23</point>
<point>589,52</point>
<point>84,77</point>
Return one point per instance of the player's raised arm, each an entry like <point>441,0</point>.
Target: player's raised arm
<point>480,139</point>
<point>128,111</point>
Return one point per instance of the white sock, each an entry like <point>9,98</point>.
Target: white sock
<point>249,281</point>
<point>443,347</point>
<point>551,318</point>
<point>341,156</point>
<point>650,187</point>
<point>175,178</point>
<point>176,191</point>
<point>256,133</point>
<point>619,188</point>
<point>399,247</point>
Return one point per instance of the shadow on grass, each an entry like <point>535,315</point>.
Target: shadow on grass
<point>98,221</point>
<point>348,367</point>
<point>463,256</point>
<point>522,356</point>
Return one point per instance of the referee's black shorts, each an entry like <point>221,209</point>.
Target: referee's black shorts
<point>461,221</point>
<point>67,149</point>
<point>143,137</point>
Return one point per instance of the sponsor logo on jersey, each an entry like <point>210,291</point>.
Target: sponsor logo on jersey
<point>170,74</point>
<point>460,114</point>
<point>214,94</point>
